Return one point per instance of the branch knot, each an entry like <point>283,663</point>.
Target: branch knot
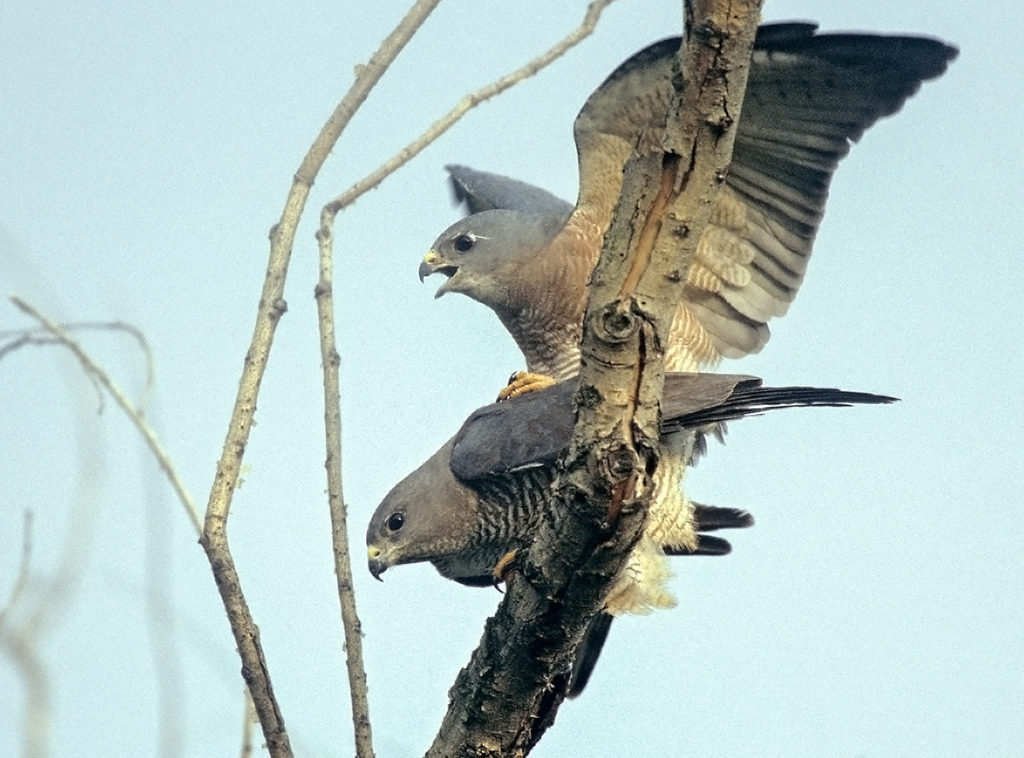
<point>616,324</point>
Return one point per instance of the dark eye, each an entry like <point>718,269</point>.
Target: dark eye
<point>464,243</point>
<point>396,521</point>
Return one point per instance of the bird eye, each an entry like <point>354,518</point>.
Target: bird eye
<point>464,243</point>
<point>396,521</point>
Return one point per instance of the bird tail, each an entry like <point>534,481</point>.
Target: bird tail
<point>748,399</point>
<point>707,518</point>
<point>711,518</point>
<point>588,653</point>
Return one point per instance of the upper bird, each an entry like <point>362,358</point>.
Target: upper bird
<point>528,255</point>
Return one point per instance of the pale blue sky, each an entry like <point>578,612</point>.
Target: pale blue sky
<point>874,610</point>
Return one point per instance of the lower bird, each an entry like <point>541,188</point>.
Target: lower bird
<point>482,495</point>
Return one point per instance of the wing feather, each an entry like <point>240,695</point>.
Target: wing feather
<point>809,97</point>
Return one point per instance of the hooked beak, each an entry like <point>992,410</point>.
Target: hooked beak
<point>376,562</point>
<point>435,264</point>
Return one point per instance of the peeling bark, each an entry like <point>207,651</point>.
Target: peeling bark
<point>509,693</point>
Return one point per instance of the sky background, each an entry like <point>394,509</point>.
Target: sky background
<point>145,150</point>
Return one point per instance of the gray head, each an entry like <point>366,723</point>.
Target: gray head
<point>427,515</point>
<point>489,256</point>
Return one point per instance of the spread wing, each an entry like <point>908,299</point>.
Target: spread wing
<point>809,96</point>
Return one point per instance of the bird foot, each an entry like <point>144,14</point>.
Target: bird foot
<point>522,382</point>
<point>504,567</point>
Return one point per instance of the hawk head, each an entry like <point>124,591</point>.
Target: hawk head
<point>490,256</point>
<point>427,515</point>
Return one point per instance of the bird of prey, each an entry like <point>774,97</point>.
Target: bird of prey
<point>483,493</point>
<point>528,255</point>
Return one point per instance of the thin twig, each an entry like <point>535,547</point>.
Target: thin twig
<point>467,103</point>
<point>331,361</point>
<point>367,76</point>
<point>20,644</point>
<point>40,337</point>
<point>271,307</point>
<point>22,579</point>
<point>18,338</point>
<point>336,503</point>
<point>21,647</point>
<point>248,719</point>
<point>23,640</point>
<point>93,370</point>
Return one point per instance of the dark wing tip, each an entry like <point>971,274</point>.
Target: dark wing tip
<point>802,36</point>
<point>919,56</point>
<point>588,653</point>
<point>753,401</point>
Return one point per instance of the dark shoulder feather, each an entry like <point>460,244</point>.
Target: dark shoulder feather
<point>527,430</point>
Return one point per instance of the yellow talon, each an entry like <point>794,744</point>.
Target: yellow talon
<point>503,568</point>
<point>522,382</point>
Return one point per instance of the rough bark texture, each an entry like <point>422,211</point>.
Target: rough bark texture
<point>509,693</point>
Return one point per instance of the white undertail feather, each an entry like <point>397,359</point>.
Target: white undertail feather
<point>670,519</point>
<point>641,586</point>
<point>721,260</point>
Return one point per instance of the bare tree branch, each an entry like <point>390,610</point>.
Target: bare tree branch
<point>331,362</point>
<point>271,307</point>
<point>29,615</point>
<point>466,104</point>
<point>94,371</point>
<point>508,695</point>
<point>20,644</point>
<point>21,580</point>
<point>21,337</point>
<point>22,640</point>
<point>38,699</point>
<point>336,500</point>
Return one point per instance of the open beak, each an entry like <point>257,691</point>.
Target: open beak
<point>435,264</point>
<point>376,562</point>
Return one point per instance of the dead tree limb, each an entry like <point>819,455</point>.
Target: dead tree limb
<point>509,693</point>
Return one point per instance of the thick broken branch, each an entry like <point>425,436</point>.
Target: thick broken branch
<point>508,695</point>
